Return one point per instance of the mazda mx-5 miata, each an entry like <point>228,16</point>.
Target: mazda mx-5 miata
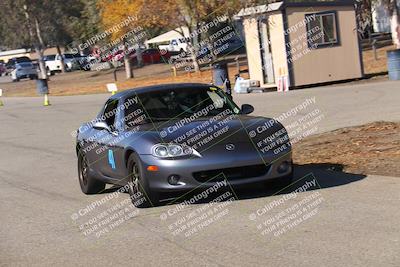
<point>165,140</point>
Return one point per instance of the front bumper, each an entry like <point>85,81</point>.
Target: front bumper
<point>239,169</point>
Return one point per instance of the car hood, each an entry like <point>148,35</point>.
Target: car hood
<point>202,134</point>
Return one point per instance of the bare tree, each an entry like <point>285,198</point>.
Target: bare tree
<point>394,22</point>
<point>36,38</point>
<point>392,7</point>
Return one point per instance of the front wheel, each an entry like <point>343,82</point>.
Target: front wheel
<point>89,185</point>
<point>140,194</point>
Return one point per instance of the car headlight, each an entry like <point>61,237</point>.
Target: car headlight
<point>171,150</point>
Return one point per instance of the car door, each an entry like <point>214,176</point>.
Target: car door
<point>106,142</point>
<point>57,62</point>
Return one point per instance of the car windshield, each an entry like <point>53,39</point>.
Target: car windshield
<point>50,57</point>
<point>24,64</point>
<point>23,59</point>
<point>179,103</point>
<point>68,56</point>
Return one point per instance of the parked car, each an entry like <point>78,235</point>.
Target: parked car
<point>152,56</point>
<point>2,69</point>
<point>10,66</point>
<point>83,61</point>
<point>175,45</point>
<point>170,139</point>
<point>117,55</point>
<point>53,63</point>
<point>24,70</point>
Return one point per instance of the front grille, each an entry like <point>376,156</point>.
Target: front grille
<point>231,173</point>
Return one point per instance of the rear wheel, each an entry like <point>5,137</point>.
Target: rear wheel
<point>140,194</point>
<point>89,185</point>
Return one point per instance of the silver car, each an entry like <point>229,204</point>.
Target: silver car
<point>24,70</point>
<point>162,141</point>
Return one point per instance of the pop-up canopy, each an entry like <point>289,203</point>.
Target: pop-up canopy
<point>168,36</point>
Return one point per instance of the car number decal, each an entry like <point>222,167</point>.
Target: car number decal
<point>111,160</point>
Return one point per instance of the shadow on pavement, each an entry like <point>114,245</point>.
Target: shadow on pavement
<point>326,175</point>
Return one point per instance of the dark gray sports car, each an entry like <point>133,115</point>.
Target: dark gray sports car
<point>164,140</point>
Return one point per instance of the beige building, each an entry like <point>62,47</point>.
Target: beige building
<point>6,55</point>
<point>48,51</point>
<point>305,42</point>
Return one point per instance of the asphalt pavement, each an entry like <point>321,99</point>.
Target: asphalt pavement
<point>344,220</point>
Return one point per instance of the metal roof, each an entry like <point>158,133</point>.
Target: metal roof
<point>260,9</point>
<point>14,52</point>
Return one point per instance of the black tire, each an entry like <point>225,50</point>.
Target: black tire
<point>89,185</point>
<point>140,194</point>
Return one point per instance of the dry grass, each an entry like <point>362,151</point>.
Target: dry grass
<point>373,66</point>
<point>368,149</point>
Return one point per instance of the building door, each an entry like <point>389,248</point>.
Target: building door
<point>265,51</point>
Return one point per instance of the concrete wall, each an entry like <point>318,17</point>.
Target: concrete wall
<point>332,63</point>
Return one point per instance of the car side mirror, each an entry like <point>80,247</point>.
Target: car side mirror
<point>101,125</point>
<point>247,109</point>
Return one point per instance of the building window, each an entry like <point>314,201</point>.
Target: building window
<point>322,29</point>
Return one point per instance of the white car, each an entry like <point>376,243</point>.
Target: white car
<point>175,45</point>
<point>53,63</point>
<point>24,70</point>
